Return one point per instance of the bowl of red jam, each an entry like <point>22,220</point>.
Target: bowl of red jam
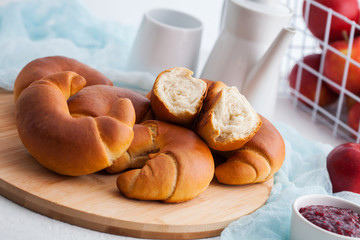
<point>317,217</point>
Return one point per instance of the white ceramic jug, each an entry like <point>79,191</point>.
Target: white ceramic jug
<point>249,30</point>
<point>261,83</point>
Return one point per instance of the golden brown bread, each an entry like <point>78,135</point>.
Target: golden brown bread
<point>229,125</point>
<point>65,144</point>
<point>177,97</point>
<point>74,130</point>
<point>96,100</point>
<point>257,161</point>
<point>218,113</point>
<point>173,164</point>
<point>227,121</point>
<point>43,67</point>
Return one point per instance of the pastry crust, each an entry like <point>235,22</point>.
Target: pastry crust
<point>96,100</point>
<point>172,164</point>
<point>257,161</point>
<point>71,145</point>
<point>46,66</point>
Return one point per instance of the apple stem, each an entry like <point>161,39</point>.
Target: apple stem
<point>345,36</point>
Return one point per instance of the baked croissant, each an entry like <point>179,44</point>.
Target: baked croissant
<point>65,144</point>
<point>172,164</point>
<point>257,161</point>
<point>96,100</point>
<point>42,67</point>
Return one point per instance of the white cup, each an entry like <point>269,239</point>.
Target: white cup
<point>166,38</point>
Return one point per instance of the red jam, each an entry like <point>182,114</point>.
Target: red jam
<point>342,221</point>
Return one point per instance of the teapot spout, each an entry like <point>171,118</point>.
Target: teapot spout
<point>261,83</point>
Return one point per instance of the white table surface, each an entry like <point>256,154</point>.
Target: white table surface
<point>17,222</point>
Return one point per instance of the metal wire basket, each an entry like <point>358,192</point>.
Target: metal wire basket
<point>335,116</point>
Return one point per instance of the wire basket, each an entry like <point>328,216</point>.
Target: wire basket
<point>335,115</point>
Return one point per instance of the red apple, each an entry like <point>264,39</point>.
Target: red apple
<point>357,31</point>
<point>343,165</point>
<point>349,102</point>
<point>334,67</point>
<point>308,81</point>
<point>318,17</point>
<point>354,116</point>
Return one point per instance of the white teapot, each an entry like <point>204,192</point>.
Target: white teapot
<point>247,54</point>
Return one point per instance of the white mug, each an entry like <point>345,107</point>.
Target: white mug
<point>166,38</point>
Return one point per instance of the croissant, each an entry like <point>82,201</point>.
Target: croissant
<point>257,161</point>
<point>96,100</point>
<point>172,164</point>
<point>65,144</point>
<point>42,67</point>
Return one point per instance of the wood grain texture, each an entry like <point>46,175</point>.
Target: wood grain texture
<point>93,201</point>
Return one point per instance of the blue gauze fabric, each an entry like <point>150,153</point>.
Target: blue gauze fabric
<point>39,28</point>
<point>303,172</point>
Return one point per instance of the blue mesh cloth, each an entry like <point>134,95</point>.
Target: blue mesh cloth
<point>39,28</point>
<point>303,172</point>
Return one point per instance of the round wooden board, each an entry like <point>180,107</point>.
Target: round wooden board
<point>93,201</point>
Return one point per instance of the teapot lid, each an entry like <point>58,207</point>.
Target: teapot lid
<point>264,6</point>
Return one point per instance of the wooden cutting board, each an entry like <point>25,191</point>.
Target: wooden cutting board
<point>94,202</point>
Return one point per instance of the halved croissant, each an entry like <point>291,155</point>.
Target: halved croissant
<point>177,97</point>
<point>227,120</point>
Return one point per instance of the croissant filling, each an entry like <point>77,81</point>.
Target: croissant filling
<point>180,92</point>
<point>233,116</point>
